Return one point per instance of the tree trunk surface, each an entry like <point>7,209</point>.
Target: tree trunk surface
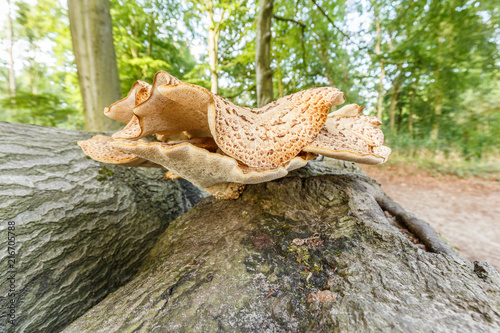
<point>92,36</point>
<point>80,229</point>
<point>263,69</point>
<point>312,252</point>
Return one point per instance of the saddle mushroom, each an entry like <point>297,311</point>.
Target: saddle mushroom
<point>221,146</point>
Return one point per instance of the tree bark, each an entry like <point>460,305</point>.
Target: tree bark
<point>213,47</point>
<point>435,121</point>
<point>396,86</point>
<point>92,35</point>
<point>313,252</point>
<point>263,69</point>
<point>378,52</point>
<point>80,229</point>
<point>10,43</point>
<point>213,60</point>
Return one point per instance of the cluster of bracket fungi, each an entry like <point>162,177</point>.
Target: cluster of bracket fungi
<point>220,146</point>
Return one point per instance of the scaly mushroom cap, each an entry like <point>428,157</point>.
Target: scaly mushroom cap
<point>273,135</point>
<point>122,110</point>
<point>163,115</point>
<point>249,146</point>
<point>267,137</point>
<point>197,161</point>
<point>350,136</point>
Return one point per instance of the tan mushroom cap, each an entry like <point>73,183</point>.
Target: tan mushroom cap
<point>273,135</point>
<point>350,118</point>
<point>122,110</point>
<point>98,148</point>
<point>267,137</point>
<point>162,114</point>
<point>350,136</point>
<point>202,167</point>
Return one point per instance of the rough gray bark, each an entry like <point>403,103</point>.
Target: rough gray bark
<point>82,229</point>
<point>312,252</point>
<point>92,36</point>
<point>263,69</point>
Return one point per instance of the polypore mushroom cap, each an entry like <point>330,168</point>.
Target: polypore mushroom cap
<point>98,148</point>
<point>249,146</point>
<point>162,114</point>
<point>122,110</point>
<point>193,161</point>
<point>267,137</point>
<point>273,135</point>
<point>350,136</point>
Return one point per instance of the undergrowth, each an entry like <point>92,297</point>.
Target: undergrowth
<point>439,162</point>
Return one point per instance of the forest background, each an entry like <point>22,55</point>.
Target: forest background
<point>428,68</point>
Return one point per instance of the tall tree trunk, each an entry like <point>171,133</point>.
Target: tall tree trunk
<point>213,41</point>
<point>380,97</point>
<point>435,121</point>
<point>378,52</point>
<point>10,43</point>
<point>394,102</point>
<point>213,47</point>
<point>313,252</point>
<point>80,229</point>
<point>400,117</point>
<point>92,35</point>
<point>396,86</point>
<point>411,111</point>
<point>410,120</point>
<point>263,71</point>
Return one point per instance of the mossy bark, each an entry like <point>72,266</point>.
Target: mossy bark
<point>80,229</point>
<point>312,252</point>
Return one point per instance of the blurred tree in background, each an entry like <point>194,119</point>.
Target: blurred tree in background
<point>46,92</point>
<point>429,69</point>
<point>93,46</point>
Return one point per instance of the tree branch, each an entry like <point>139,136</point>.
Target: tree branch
<point>303,28</point>
<point>288,20</point>
<point>418,227</point>
<point>340,30</point>
<point>252,87</point>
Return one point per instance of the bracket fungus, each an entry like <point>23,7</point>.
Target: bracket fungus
<point>221,146</point>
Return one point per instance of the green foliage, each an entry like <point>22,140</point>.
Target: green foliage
<point>441,59</point>
<point>147,40</point>
<point>40,109</point>
<point>441,90</point>
<point>47,93</point>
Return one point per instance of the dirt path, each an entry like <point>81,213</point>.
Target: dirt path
<point>465,212</point>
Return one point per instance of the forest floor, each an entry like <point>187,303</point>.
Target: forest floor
<point>466,212</point>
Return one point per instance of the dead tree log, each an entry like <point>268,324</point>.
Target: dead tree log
<point>313,252</point>
<point>71,229</point>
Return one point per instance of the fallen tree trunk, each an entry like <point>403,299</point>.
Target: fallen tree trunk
<point>71,229</point>
<point>313,252</point>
